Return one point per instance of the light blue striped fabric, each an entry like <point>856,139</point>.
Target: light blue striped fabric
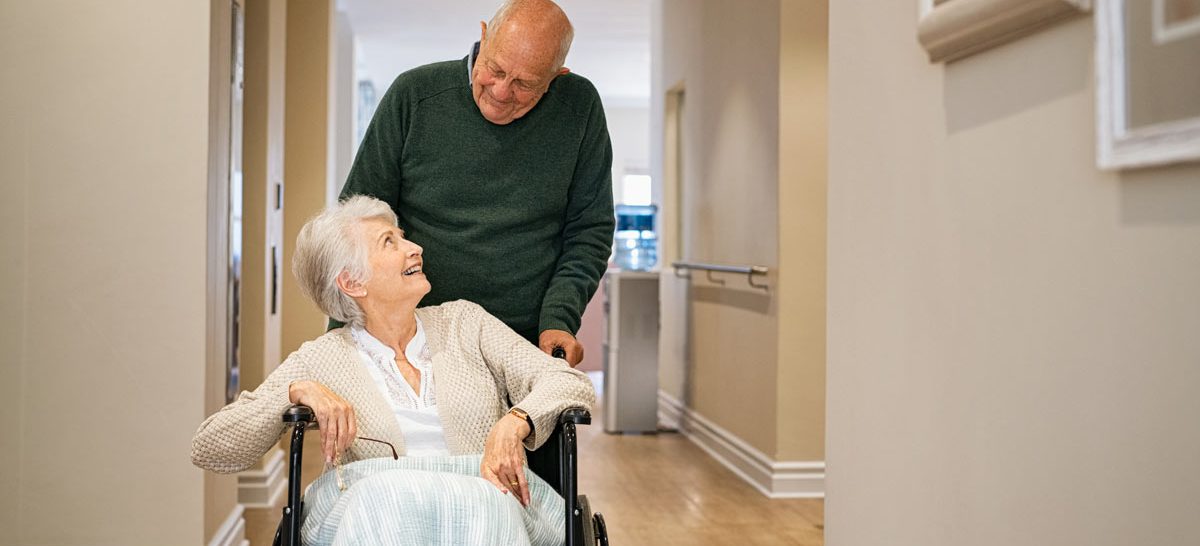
<point>427,500</point>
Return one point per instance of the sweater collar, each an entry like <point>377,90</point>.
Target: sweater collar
<point>417,351</point>
<point>474,54</point>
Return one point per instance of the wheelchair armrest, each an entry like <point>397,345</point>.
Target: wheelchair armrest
<point>299,413</point>
<point>579,416</point>
<point>299,417</point>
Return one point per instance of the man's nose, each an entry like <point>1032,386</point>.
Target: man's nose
<point>502,90</point>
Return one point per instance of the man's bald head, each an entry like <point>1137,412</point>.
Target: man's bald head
<point>521,51</point>
<point>538,23</point>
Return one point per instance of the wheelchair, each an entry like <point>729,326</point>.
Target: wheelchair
<point>554,462</point>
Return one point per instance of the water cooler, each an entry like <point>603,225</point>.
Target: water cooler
<point>635,244</point>
<point>631,351</point>
<point>631,325</point>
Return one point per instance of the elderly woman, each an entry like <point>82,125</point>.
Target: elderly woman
<point>434,382</point>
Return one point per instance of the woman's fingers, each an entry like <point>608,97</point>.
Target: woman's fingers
<point>349,432</point>
<point>511,475</point>
<point>504,461</point>
<point>523,489</point>
<point>515,470</point>
<point>334,415</point>
<point>489,475</point>
<point>329,432</point>
<point>351,428</point>
<point>323,423</point>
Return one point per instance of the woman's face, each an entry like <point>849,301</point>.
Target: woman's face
<point>397,275</point>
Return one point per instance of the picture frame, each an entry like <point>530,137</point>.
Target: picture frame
<point>1147,99</point>
<point>953,29</point>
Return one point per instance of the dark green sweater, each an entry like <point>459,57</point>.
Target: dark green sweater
<point>517,218</point>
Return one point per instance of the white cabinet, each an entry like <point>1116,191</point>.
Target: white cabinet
<point>631,351</point>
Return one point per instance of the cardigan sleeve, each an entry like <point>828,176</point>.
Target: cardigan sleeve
<point>541,385</point>
<point>236,437</point>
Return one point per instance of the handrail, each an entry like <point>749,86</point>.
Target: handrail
<point>749,270</point>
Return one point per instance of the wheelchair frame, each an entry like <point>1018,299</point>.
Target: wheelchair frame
<point>560,472</point>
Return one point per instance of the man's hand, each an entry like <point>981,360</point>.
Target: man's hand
<point>334,415</point>
<point>550,339</point>
<point>504,457</point>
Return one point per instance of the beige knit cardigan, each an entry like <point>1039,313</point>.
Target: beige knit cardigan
<point>478,363</point>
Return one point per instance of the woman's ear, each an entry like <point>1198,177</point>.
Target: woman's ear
<point>350,286</point>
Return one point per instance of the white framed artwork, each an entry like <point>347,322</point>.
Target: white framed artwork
<point>1175,20</point>
<point>953,29</point>
<point>1147,82</point>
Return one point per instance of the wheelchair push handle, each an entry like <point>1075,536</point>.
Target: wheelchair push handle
<point>299,413</point>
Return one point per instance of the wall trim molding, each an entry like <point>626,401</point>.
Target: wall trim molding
<point>1119,146</point>
<point>233,531</point>
<point>953,29</point>
<point>263,487</point>
<point>775,479</point>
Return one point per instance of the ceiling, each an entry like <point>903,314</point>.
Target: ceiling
<point>611,47</point>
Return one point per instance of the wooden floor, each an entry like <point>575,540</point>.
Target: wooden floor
<point>654,490</point>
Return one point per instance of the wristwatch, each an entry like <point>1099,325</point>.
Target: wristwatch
<point>518,412</point>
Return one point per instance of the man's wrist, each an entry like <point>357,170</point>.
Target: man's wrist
<point>554,323</point>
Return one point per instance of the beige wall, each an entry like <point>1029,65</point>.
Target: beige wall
<point>308,157</point>
<point>803,134</point>
<point>1012,333</point>
<point>344,95</point>
<point>726,56</point>
<point>629,130</point>
<point>103,232</point>
<point>266,25</point>
<point>751,145</point>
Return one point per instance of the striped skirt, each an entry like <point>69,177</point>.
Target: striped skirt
<point>427,500</point>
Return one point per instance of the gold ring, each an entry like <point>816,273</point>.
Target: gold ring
<point>514,484</point>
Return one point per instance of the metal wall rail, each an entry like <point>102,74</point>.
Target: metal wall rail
<point>748,270</point>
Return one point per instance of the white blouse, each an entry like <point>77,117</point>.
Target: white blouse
<point>416,413</point>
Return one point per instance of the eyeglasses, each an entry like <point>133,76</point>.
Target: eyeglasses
<point>337,461</point>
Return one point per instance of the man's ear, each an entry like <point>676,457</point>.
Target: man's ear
<point>482,32</point>
<point>350,286</point>
<point>562,71</point>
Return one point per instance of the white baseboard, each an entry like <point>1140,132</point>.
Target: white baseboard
<point>670,412</point>
<point>775,479</point>
<point>233,531</point>
<point>262,488</point>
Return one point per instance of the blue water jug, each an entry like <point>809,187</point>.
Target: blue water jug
<point>635,242</point>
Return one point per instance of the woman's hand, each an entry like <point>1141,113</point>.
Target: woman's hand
<point>335,416</point>
<point>504,457</point>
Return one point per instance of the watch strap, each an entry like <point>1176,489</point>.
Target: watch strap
<point>518,412</point>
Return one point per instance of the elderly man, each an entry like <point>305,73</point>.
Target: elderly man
<point>498,164</point>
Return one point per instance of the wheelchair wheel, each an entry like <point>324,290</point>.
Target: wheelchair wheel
<point>585,518</point>
<point>601,529</point>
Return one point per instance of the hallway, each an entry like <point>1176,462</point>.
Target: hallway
<point>951,256</point>
<point>653,490</point>
<point>664,490</point>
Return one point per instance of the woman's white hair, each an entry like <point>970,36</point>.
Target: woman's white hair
<point>329,244</point>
